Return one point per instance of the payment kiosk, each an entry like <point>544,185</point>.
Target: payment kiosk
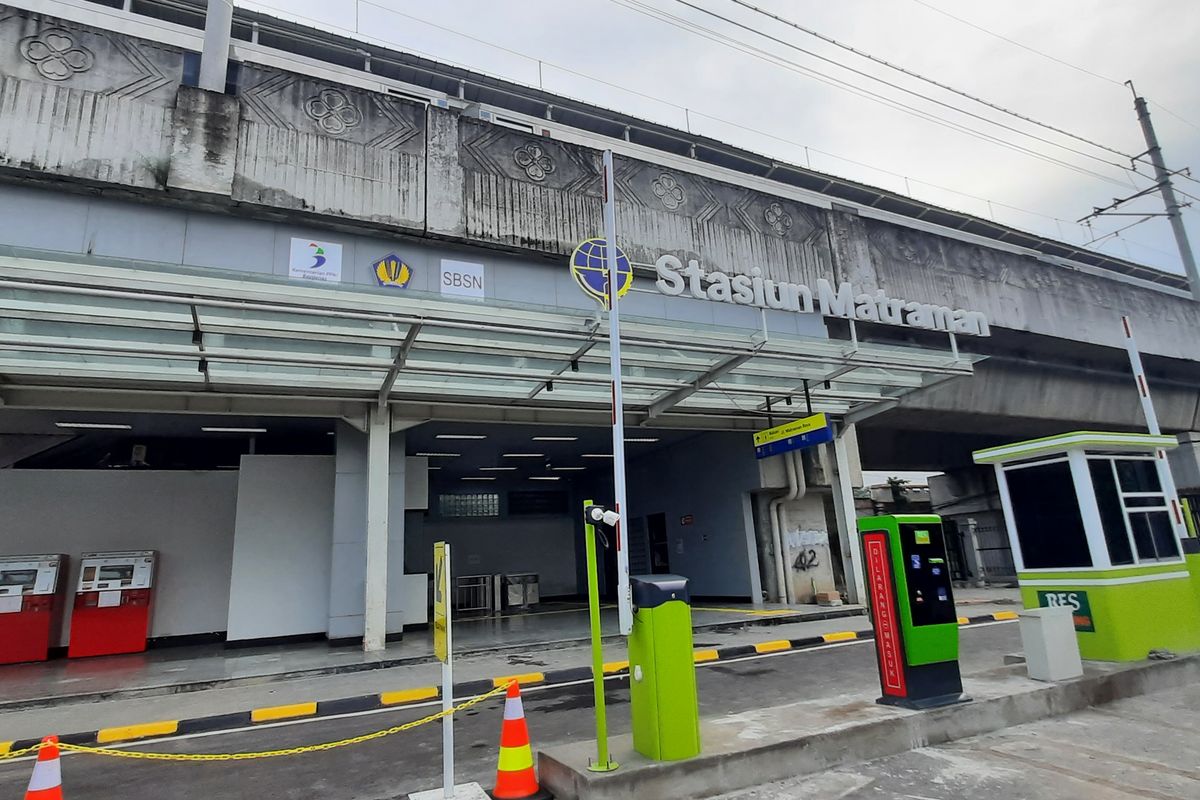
<point>29,606</point>
<point>112,603</point>
<point>912,608</point>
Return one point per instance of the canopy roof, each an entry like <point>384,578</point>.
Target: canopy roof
<point>1086,440</point>
<point>78,324</point>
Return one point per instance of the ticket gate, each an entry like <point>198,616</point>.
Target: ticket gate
<point>111,613</point>
<point>29,606</point>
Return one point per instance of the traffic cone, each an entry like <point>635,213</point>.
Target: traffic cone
<point>46,782</point>
<point>515,778</point>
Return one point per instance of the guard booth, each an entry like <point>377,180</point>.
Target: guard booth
<point>1095,525</point>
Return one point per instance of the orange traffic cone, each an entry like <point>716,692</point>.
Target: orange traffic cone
<point>515,778</point>
<point>46,783</point>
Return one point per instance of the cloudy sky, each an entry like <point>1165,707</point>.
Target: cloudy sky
<point>664,49</point>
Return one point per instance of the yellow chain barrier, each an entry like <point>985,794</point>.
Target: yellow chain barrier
<point>290,751</point>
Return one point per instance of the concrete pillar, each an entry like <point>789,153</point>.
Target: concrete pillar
<point>352,550</point>
<point>214,59</point>
<point>846,473</point>
<point>378,477</point>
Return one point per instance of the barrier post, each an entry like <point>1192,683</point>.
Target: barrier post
<point>603,762</point>
<point>443,648</point>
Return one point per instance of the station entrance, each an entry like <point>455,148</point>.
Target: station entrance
<point>290,453</point>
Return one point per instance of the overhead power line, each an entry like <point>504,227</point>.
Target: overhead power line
<point>862,73</point>
<point>926,79</point>
<point>1046,55</point>
<point>795,66</point>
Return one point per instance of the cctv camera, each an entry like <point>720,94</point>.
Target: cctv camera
<point>611,518</point>
<point>596,513</point>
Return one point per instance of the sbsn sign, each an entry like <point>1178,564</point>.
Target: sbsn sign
<point>675,279</point>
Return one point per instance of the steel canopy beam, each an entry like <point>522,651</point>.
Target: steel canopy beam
<point>406,347</point>
<point>667,401</point>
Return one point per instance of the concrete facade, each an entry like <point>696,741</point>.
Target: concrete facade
<point>108,109</point>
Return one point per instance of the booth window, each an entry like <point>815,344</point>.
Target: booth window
<point>1133,509</point>
<point>483,504</point>
<point>1049,526</point>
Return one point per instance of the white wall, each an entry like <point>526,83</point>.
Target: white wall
<point>188,517</point>
<point>280,577</point>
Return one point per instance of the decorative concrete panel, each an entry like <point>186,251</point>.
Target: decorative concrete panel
<point>1022,293</point>
<point>39,48</point>
<point>66,132</point>
<point>84,103</point>
<point>527,191</point>
<point>307,145</point>
<point>725,227</point>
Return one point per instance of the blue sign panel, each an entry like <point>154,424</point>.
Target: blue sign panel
<point>797,442</point>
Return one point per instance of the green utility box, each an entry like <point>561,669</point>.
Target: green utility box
<point>662,670</point>
<point>912,610</point>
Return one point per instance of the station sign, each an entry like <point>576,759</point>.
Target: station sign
<point>1077,601</point>
<point>795,435</point>
<point>842,300</point>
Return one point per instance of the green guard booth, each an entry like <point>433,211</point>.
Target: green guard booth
<point>662,669</point>
<point>1096,526</point>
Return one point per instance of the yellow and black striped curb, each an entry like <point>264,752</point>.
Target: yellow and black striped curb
<point>405,697</point>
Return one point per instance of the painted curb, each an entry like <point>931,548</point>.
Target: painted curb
<point>124,734</point>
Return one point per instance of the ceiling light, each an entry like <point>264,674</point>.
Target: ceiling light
<point>496,469</point>
<point>438,455</point>
<point>556,438</point>
<point>524,455</point>
<point>597,455</point>
<point>233,430</point>
<point>641,439</point>
<point>567,469</point>
<point>433,468</point>
<point>461,436</point>
<point>545,478</point>
<point>98,426</point>
<point>479,478</point>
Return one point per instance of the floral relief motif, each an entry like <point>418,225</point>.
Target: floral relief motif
<point>668,190</point>
<point>55,55</point>
<point>779,220</point>
<point>333,111</point>
<point>534,160</point>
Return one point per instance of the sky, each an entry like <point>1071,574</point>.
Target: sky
<point>621,53</point>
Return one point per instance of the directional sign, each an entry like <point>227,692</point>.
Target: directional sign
<point>794,435</point>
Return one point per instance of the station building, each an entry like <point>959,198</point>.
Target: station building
<point>290,335</point>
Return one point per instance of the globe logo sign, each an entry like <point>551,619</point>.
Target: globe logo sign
<point>587,267</point>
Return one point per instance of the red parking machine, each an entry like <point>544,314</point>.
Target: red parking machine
<point>112,603</point>
<point>29,606</point>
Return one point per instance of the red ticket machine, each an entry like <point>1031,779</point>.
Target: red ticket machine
<point>112,603</point>
<point>29,606</point>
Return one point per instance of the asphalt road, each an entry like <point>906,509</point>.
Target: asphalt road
<point>411,761</point>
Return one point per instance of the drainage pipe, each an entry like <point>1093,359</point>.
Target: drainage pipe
<point>797,487</point>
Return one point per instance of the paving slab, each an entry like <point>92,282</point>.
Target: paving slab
<point>747,749</point>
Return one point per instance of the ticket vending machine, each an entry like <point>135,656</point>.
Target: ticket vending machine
<point>111,614</point>
<point>912,609</point>
<point>29,606</point>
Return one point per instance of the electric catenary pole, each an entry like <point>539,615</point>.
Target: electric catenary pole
<point>1162,183</point>
<point>613,278</point>
<point>1163,176</point>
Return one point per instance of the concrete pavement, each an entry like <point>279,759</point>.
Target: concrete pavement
<point>411,761</point>
<point>1143,748</point>
<point>23,723</point>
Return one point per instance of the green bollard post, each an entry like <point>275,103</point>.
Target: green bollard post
<point>603,762</point>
